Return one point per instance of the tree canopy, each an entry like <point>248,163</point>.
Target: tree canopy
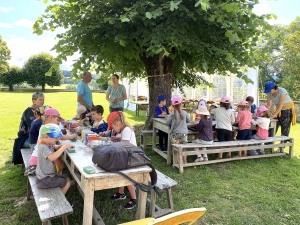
<point>168,42</point>
<point>4,56</point>
<point>11,77</point>
<point>37,66</point>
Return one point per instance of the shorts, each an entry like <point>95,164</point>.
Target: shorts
<point>178,138</point>
<point>244,134</point>
<point>223,134</point>
<point>52,182</point>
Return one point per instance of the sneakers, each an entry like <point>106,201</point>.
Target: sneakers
<point>253,153</point>
<point>205,158</point>
<point>260,151</point>
<point>30,170</point>
<point>118,196</point>
<point>199,159</point>
<point>196,141</point>
<point>131,204</point>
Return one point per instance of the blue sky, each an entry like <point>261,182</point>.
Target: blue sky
<point>18,16</point>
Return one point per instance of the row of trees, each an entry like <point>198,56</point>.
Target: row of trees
<point>33,71</point>
<point>280,58</point>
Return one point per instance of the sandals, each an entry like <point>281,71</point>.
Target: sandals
<point>228,156</point>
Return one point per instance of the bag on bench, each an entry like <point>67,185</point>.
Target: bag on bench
<point>124,155</point>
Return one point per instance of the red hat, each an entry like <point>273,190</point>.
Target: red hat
<point>111,118</point>
<point>53,112</point>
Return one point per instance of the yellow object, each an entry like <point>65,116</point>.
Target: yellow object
<point>292,107</point>
<point>176,218</point>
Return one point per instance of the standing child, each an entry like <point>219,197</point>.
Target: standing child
<point>262,128</point>
<point>204,128</point>
<point>178,120</point>
<point>116,121</point>
<point>244,119</point>
<point>252,106</point>
<point>160,112</point>
<point>224,119</point>
<point>45,171</point>
<point>99,124</point>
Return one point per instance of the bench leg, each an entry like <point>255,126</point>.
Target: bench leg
<point>180,160</point>
<point>65,220</point>
<point>152,203</point>
<point>291,148</point>
<point>48,222</point>
<point>29,191</point>
<point>170,199</point>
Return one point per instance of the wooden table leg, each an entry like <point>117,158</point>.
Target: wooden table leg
<point>88,202</point>
<point>142,198</point>
<point>169,151</point>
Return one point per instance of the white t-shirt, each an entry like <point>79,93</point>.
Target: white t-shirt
<point>128,135</point>
<point>224,118</point>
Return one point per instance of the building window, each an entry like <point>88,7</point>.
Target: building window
<point>219,87</point>
<point>239,90</point>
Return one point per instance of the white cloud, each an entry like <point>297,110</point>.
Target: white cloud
<point>260,9</point>
<point>6,9</point>
<point>24,23</point>
<point>280,21</point>
<point>6,25</point>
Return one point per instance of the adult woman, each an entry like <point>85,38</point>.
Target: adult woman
<point>284,111</point>
<point>116,94</point>
<point>25,124</point>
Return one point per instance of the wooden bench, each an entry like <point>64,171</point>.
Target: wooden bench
<point>231,146</point>
<point>143,138</point>
<point>163,183</point>
<point>51,203</point>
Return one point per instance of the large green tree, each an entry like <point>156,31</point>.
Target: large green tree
<point>36,71</point>
<point>167,42</point>
<point>12,77</point>
<point>4,56</point>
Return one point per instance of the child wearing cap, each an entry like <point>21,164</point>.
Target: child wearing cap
<point>45,171</point>
<point>82,115</point>
<point>99,125</point>
<point>160,112</point>
<point>178,120</point>
<point>117,122</point>
<point>204,127</point>
<point>224,119</point>
<point>244,119</point>
<point>262,128</point>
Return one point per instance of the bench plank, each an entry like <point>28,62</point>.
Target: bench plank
<point>51,203</point>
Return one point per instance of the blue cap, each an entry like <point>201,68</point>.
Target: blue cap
<point>52,130</point>
<point>161,98</point>
<point>269,86</point>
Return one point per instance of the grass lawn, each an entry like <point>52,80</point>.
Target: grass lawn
<point>259,191</point>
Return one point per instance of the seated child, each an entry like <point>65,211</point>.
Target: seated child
<point>45,171</point>
<point>204,127</point>
<point>82,115</point>
<point>250,100</point>
<point>262,128</point>
<point>99,125</point>
<point>160,112</point>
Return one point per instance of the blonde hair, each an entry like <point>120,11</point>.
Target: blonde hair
<point>122,120</point>
<point>178,109</point>
<point>243,107</point>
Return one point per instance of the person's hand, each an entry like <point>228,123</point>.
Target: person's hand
<point>115,101</point>
<point>272,117</point>
<point>73,136</point>
<point>101,134</point>
<point>68,145</point>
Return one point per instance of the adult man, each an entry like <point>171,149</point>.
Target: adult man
<point>84,94</point>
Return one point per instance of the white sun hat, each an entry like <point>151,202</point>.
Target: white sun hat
<point>202,110</point>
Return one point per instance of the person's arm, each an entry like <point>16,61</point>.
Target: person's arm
<point>55,155</point>
<point>80,100</point>
<point>279,107</point>
<point>200,125</point>
<point>122,98</point>
<point>68,137</point>
<point>269,102</point>
<point>107,97</point>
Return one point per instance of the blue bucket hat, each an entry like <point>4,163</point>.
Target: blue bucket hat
<point>52,130</point>
<point>269,86</point>
<point>161,98</point>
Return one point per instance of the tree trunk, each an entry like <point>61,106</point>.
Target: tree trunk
<point>158,69</point>
<point>11,88</point>
<point>43,87</point>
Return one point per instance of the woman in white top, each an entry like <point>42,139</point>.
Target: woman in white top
<point>224,119</point>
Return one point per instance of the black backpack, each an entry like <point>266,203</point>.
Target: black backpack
<point>124,155</point>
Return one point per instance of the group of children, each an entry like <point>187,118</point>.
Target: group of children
<point>45,132</point>
<point>224,118</point>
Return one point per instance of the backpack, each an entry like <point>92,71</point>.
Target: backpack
<point>124,155</point>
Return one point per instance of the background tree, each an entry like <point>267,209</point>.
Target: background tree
<point>12,77</point>
<point>167,42</point>
<point>4,56</point>
<point>36,71</point>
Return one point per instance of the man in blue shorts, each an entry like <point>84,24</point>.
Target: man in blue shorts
<point>84,94</point>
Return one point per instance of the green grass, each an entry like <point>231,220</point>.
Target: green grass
<point>259,191</point>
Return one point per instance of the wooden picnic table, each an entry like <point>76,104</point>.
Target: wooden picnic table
<point>137,106</point>
<point>100,180</point>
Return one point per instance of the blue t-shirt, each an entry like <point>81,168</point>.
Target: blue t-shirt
<point>253,107</point>
<point>101,128</point>
<point>34,131</point>
<point>84,90</point>
<point>159,110</point>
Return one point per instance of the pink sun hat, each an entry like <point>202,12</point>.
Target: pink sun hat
<point>225,99</point>
<point>176,101</point>
<point>243,103</point>
<point>261,109</point>
<point>53,112</point>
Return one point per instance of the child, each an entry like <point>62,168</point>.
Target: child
<point>160,112</point>
<point>98,123</point>
<point>262,127</point>
<point>178,120</point>
<point>45,171</point>
<point>211,107</point>
<point>116,121</point>
<point>82,115</point>
<point>35,127</point>
<point>51,115</point>
<point>224,119</point>
<point>204,128</point>
<point>252,106</point>
<point>244,118</point>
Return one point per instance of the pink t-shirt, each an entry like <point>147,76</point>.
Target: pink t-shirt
<point>244,119</point>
